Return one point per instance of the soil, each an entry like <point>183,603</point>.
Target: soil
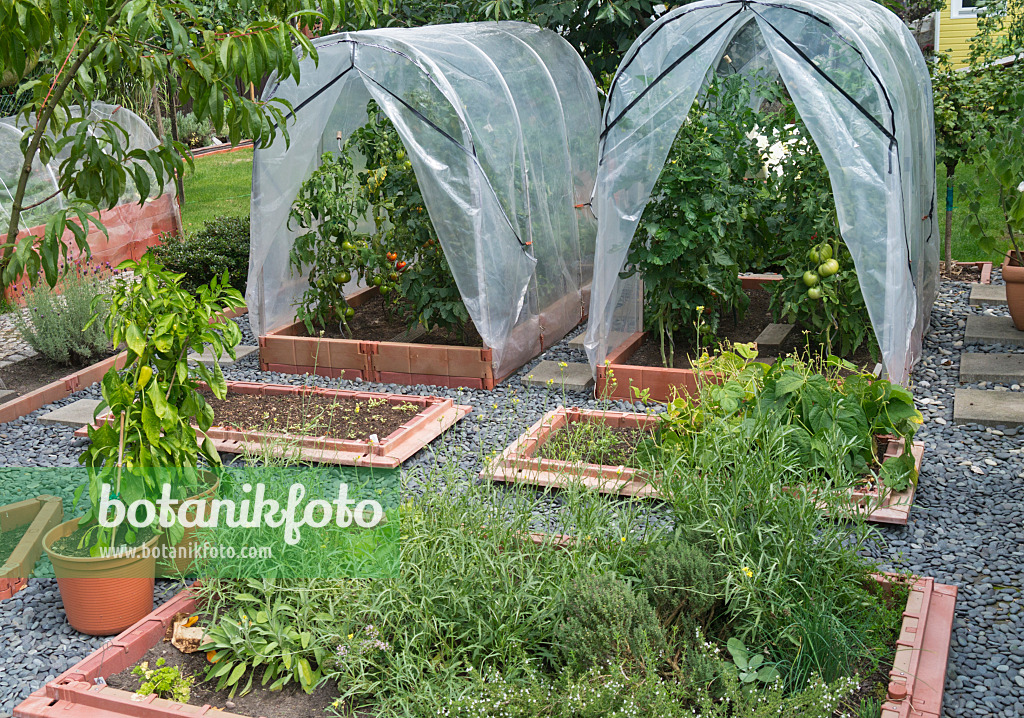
<point>69,545</point>
<point>9,540</point>
<point>961,272</point>
<point>588,443</point>
<point>29,374</point>
<point>746,329</point>
<point>333,417</point>
<point>372,323</point>
<point>289,702</point>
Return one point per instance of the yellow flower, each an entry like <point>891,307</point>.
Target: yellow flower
<point>350,636</point>
<point>623,539</point>
<point>562,364</point>
<point>750,574</point>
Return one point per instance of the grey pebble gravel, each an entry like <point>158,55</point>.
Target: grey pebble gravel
<point>966,527</point>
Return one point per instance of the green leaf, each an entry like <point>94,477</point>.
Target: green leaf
<point>135,340</point>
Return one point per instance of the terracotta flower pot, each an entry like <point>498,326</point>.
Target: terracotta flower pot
<point>1013,275</point>
<point>178,565</point>
<point>102,596</point>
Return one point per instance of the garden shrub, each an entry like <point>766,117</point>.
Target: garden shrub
<point>222,245</point>
<point>192,132</point>
<point>57,321</point>
<point>606,622</point>
<point>681,583</point>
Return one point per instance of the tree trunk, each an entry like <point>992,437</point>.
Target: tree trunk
<point>174,136</point>
<point>158,113</point>
<point>947,241</point>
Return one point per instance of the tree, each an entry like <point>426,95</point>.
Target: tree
<point>65,54</point>
<point>600,30</point>
<point>959,126</point>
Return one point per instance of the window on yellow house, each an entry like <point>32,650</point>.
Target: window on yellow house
<point>963,9</point>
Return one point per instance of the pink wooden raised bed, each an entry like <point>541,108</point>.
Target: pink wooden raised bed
<point>289,350</point>
<point>618,379</point>
<point>916,681</point>
<point>518,463</point>
<point>435,416</point>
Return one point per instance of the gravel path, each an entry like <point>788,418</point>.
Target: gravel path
<point>966,528</point>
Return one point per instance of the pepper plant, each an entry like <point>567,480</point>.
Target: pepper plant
<point>154,400</point>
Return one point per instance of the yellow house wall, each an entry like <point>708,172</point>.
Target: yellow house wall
<point>955,36</point>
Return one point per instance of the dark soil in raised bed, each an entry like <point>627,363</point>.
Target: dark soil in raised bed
<point>372,323</point>
<point>313,415</point>
<point>30,374</point>
<point>595,443</point>
<point>9,541</point>
<point>961,273</point>
<point>289,702</point>
<point>748,327</point>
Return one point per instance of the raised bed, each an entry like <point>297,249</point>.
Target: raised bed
<point>518,463</point>
<point>617,379</point>
<point>916,681</point>
<point>288,350</point>
<point>435,416</point>
<point>41,514</point>
<point>985,267</point>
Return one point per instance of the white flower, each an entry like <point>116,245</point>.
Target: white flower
<point>1020,187</point>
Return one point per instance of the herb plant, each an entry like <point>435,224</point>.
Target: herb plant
<point>165,681</point>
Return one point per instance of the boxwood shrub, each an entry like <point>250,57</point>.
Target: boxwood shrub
<point>222,244</point>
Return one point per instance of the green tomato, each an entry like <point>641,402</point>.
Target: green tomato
<point>810,278</point>
<point>348,246</point>
<point>385,290</point>
<point>813,256</point>
<point>342,277</point>
<point>349,312</point>
<point>825,252</point>
<point>827,269</point>
<point>814,293</point>
<point>376,281</point>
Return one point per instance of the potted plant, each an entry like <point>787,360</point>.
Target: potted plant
<point>147,443</point>
<point>1004,161</point>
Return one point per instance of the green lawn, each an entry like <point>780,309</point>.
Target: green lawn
<point>218,185</point>
<point>965,247</point>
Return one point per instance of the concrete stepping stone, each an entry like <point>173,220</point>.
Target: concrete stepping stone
<point>75,415</point>
<point>551,374</point>
<point>988,408</point>
<point>207,356</point>
<point>992,330</point>
<point>982,294</point>
<point>4,393</point>
<point>577,342</point>
<point>773,336</point>
<point>996,368</point>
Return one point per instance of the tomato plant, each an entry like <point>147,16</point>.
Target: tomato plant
<point>705,214</point>
<point>402,256</point>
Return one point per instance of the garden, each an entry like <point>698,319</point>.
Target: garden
<point>618,370</point>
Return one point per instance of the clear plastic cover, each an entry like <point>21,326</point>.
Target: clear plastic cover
<point>44,180</point>
<point>500,123</point>
<point>861,85</point>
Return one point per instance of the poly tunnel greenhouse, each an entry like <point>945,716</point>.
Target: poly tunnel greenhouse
<point>500,121</point>
<point>41,194</point>
<point>861,86</point>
